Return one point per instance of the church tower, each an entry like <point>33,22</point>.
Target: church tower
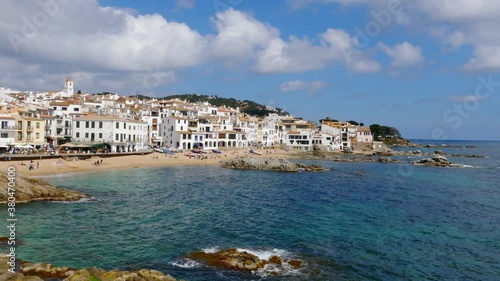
<point>68,87</point>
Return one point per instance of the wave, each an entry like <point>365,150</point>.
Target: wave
<point>266,254</point>
<point>186,263</point>
<point>83,200</point>
<point>210,250</point>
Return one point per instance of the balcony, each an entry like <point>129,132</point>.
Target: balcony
<point>10,128</point>
<point>29,128</point>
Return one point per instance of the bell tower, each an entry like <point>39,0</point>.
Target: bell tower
<point>68,87</point>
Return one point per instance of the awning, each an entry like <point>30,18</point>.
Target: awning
<point>67,145</point>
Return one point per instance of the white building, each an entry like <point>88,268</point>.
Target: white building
<point>364,135</point>
<point>7,131</point>
<point>118,134</point>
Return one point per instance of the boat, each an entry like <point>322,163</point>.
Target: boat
<point>216,151</point>
<point>159,150</point>
<point>197,151</point>
<point>254,152</point>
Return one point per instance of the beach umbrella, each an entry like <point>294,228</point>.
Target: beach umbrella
<point>28,146</point>
<point>67,145</point>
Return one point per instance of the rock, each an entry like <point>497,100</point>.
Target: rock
<point>296,264</point>
<point>45,271</point>
<point>436,161</point>
<point>388,160</point>
<point>28,189</point>
<point>270,164</point>
<point>438,152</point>
<point>232,259</point>
<point>417,152</point>
<point>275,260</point>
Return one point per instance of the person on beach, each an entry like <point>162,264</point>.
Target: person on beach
<point>37,165</point>
<point>101,161</point>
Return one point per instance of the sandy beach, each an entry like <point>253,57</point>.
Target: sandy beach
<point>47,167</point>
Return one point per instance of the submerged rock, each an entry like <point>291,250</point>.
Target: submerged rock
<point>269,164</point>
<point>29,189</point>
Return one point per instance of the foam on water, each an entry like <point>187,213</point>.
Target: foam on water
<point>266,254</point>
<point>83,200</point>
<point>186,263</point>
<point>211,250</point>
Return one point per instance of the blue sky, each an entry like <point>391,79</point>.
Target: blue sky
<point>414,66</point>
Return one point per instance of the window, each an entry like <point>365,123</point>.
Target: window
<point>4,135</point>
<point>64,108</point>
<point>19,136</point>
<point>78,124</point>
<point>77,135</point>
<point>100,135</point>
<point>76,109</point>
<point>86,135</point>
<point>38,125</point>
<point>37,136</point>
<point>4,124</point>
<point>100,125</point>
<point>117,136</point>
<point>124,125</point>
<point>87,124</point>
<point>117,126</point>
<point>93,125</point>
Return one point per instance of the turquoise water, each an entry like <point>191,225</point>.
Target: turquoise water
<point>358,221</point>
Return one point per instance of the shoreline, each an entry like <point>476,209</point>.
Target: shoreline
<point>48,168</point>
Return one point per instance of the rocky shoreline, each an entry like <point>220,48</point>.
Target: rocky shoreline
<point>31,189</point>
<point>432,160</point>
<point>269,164</point>
<point>44,271</point>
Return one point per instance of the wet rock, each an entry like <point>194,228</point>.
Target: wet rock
<point>229,259</point>
<point>232,259</point>
<point>270,164</point>
<point>295,264</point>
<point>438,152</point>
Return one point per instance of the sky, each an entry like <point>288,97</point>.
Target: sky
<point>430,68</point>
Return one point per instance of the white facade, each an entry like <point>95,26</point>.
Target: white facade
<point>122,135</point>
<point>7,131</point>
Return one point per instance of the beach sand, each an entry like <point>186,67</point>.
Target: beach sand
<point>49,167</point>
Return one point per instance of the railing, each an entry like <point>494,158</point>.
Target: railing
<point>9,128</point>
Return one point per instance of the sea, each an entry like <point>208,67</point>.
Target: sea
<point>357,221</point>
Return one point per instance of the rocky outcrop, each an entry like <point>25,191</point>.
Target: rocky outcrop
<point>44,271</point>
<point>233,259</point>
<point>388,160</point>
<point>269,164</point>
<point>28,189</point>
<point>437,161</point>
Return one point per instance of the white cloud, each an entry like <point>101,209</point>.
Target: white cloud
<point>403,54</point>
<point>185,4</point>
<point>299,55</point>
<point>239,35</point>
<point>106,45</point>
<point>299,85</point>
<point>468,98</point>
